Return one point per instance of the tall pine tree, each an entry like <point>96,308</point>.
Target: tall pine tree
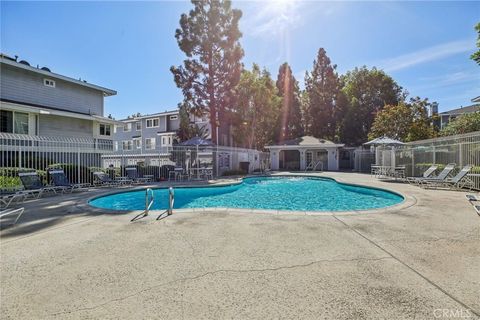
<point>290,119</point>
<point>209,37</point>
<point>322,86</point>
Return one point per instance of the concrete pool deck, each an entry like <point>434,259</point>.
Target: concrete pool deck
<point>65,260</point>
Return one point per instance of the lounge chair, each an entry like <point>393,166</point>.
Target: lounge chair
<point>33,185</point>
<point>103,179</point>
<point>426,174</point>
<point>441,177</point>
<point>132,174</point>
<point>59,179</point>
<point>7,199</point>
<point>459,181</point>
<point>8,212</point>
<point>477,209</point>
<point>472,198</point>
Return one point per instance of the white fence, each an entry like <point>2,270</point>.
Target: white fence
<point>80,157</point>
<point>462,150</point>
<point>417,156</point>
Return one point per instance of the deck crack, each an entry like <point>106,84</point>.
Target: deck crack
<point>209,273</point>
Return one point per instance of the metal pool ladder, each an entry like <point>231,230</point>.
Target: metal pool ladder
<point>148,203</point>
<point>171,200</point>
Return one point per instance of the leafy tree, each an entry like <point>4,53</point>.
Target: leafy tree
<point>322,86</point>
<point>405,121</point>
<point>367,91</point>
<point>393,121</point>
<point>290,119</point>
<point>257,109</point>
<point>476,55</point>
<point>463,124</point>
<point>209,37</point>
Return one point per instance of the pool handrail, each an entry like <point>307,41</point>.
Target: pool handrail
<point>148,204</point>
<point>171,200</point>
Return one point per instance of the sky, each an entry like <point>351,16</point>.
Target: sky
<point>130,46</point>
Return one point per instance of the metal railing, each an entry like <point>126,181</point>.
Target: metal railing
<point>171,200</point>
<point>462,150</point>
<point>80,157</point>
<point>148,203</point>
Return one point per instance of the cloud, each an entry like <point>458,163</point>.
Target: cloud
<point>433,53</point>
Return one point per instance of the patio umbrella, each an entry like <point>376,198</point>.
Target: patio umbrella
<point>380,144</point>
<point>197,141</point>
<point>384,141</point>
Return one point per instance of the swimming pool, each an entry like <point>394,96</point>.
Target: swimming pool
<point>274,193</point>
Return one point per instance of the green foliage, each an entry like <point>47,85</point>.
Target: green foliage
<point>463,124</point>
<point>209,37</point>
<point>476,55</point>
<point>322,86</point>
<point>187,130</point>
<point>234,173</point>
<point>9,179</point>
<point>255,115</point>
<point>404,121</point>
<point>366,91</point>
<point>290,120</point>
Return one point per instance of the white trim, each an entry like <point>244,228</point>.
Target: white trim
<point>106,92</point>
<point>153,122</point>
<point>49,83</point>
<point>35,110</point>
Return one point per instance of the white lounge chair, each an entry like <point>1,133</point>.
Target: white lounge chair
<point>8,199</point>
<point>459,181</point>
<point>8,212</point>
<point>426,174</point>
<point>441,177</point>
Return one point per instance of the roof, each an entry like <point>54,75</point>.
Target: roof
<point>476,99</point>
<point>469,109</point>
<point>35,108</point>
<point>9,61</point>
<point>306,141</point>
<point>152,115</point>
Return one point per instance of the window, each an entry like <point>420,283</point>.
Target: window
<point>150,143</point>
<point>166,140</point>
<point>152,123</point>
<point>13,122</point>
<point>139,125</point>
<point>105,129</point>
<point>127,145</point>
<point>174,117</point>
<point>49,83</point>
<point>127,127</point>
<point>137,143</point>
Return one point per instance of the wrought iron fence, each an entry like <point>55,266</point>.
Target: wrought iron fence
<point>80,157</point>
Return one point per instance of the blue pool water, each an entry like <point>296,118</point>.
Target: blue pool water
<point>278,193</point>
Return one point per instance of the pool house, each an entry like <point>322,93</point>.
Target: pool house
<point>305,153</point>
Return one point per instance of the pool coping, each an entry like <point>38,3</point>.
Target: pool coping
<point>408,201</point>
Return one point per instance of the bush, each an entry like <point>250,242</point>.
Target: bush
<point>234,173</point>
<point>9,179</point>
